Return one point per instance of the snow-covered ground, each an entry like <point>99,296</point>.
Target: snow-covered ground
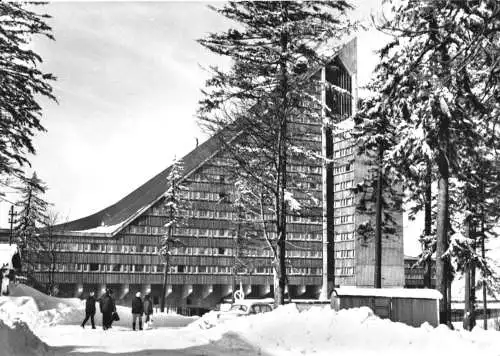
<point>32,323</point>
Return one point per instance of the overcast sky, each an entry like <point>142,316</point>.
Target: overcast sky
<point>129,79</point>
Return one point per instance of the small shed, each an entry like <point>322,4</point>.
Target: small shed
<point>409,306</point>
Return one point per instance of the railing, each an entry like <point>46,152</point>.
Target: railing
<point>184,310</point>
<point>458,314</point>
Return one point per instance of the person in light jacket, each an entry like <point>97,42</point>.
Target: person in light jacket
<point>89,310</point>
<point>137,310</point>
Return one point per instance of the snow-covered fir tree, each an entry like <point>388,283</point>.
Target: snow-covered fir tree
<point>439,79</point>
<point>378,194</point>
<point>176,205</point>
<point>22,83</point>
<point>31,217</point>
<point>276,49</point>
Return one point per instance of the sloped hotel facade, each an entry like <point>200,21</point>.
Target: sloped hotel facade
<point>117,247</point>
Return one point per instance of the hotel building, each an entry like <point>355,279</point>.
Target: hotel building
<point>117,247</point>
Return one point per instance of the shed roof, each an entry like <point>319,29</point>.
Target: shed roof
<point>410,293</point>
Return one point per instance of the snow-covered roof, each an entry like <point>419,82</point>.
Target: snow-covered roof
<point>6,253</point>
<point>123,212</point>
<point>390,292</point>
<point>103,229</point>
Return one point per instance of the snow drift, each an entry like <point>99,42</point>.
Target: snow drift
<point>39,310</point>
<point>321,331</point>
<point>283,332</point>
<point>18,339</point>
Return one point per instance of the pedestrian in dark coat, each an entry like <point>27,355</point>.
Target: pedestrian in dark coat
<point>148,307</point>
<point>89,310</point>
<point>108,307</point>
<point>137,310</point>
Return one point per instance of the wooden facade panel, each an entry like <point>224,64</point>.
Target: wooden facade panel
<point>415,312</point>
<point>157,278</point>
<point>345,262</point>
<point>143,239</point>
<point>201,260</point>
<point>344,245</point>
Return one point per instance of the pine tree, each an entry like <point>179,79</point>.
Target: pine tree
<point>22,83</point>
<point>31,217</point>
<point>275,50</point>
<point>440,77</point>
<point>48,254</point>
<point>477,207</point>
<point>176,205</point>
<point>375,135</point>
<point>250,219</point>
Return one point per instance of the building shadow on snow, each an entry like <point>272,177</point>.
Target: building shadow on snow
<point>230,344</point>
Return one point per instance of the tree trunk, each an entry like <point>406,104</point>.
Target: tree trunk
<point>483,255</point>
<point>378,222</point>
<point>280,279</point>
<point>428,223</point>
<point>473,281</point>
<point>169,241</point>
<point>467,321</point>
<point>443,267</point>
<point>442,264</point>
<point>164,287</point>
<point>328,251</point>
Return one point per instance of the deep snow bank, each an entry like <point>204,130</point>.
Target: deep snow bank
<point>42,300</point>
<point>18,339</point>
<point>321,331</point>
<point>39,310</point>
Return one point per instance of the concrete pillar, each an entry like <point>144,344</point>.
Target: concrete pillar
<point>124,290</point>
<point>263,290</point>
<point>78,290</point>
<point>187,290</point>
<point>226,289</point>
<point>101,289</point>
<point>168,291</point>
<point>316,290</point>
<point>145,289</point>
<point>206,290</point>
<point>300,290</point>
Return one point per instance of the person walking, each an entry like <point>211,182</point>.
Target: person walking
<point>108,307</point>
<point>89,310</point>
<point>148,308</point>
<point>137,310</point>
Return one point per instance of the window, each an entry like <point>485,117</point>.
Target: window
<point>116,267</point>
<point>223,197</point>
<point>95,247</point>
<point>344,271</point>
<point>139,268</point>
<point>180,269</point>
<point>93,267</point>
